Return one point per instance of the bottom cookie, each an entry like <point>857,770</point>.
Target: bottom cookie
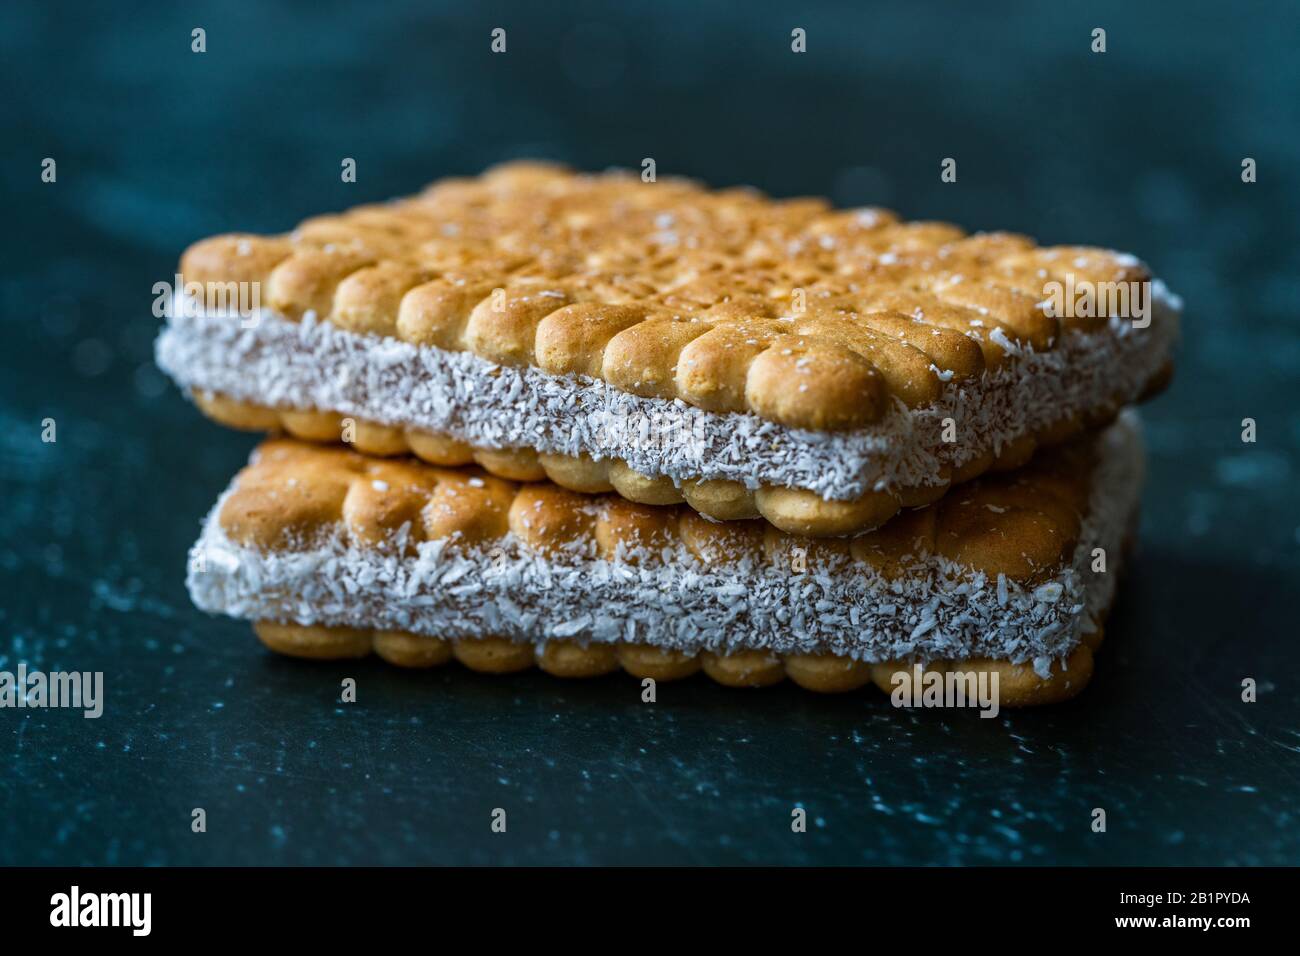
<point>1017,685</point>
<point>340,555</point>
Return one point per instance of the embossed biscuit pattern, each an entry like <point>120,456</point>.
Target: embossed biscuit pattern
<point>1019,685</point>
<point>802,314</point>
<point>1022,524</point>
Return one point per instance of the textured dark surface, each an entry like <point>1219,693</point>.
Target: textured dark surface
<point>1139,148</point>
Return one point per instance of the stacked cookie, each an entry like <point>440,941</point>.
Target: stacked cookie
<point>591,422</point>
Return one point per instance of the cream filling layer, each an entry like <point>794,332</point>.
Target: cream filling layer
<point>937,611</point>
<point>314,365</point>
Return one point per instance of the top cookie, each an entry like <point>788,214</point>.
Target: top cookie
<point>794,311</point>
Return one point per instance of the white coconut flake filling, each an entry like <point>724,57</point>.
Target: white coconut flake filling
<point>938,611</point>
<point>315,365</point>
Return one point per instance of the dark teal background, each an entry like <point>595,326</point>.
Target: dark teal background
<point>1139,148</point>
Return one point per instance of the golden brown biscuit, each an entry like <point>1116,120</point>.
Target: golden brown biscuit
<point>383,270</point>
<point>1019,685</point>
<point>1022,524</point>
<point>505,576</point>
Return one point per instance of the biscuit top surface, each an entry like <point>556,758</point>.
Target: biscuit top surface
<point>295,496</point>
<point>800,313</point>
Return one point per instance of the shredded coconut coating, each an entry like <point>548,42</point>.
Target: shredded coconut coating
<point>936,610</point>
<point>315,365</point>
